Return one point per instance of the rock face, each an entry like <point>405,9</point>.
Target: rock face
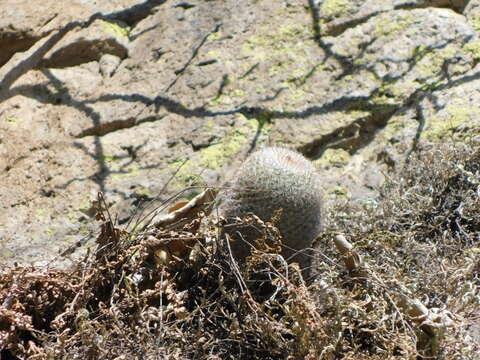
<point>275,179</point>
<point>145,98</point>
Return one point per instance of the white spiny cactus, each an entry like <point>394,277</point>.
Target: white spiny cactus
<point>272,179</point>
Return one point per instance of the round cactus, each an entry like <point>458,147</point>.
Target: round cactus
<point>269,180</point>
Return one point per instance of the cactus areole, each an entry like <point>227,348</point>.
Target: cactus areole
<point>271,179</point>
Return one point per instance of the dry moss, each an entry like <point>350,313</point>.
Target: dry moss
<point>174,293</point>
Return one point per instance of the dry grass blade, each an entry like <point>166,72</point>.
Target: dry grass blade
<point>202,202</point>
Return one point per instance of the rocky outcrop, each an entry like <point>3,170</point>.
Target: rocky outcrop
<point>140,101</point>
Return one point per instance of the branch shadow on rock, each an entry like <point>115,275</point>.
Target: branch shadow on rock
<point>380,112</point>
<point>426,90</point>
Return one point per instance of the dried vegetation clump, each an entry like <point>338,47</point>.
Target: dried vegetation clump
<point>395,278</point>
<point>420,243</point>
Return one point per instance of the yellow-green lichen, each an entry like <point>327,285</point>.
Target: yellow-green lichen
<point>338,192</point>
<point>214,36</point>
<point>111,161</point>
<point>439,127</point>
<point>419,52</point>
<point>212,157</point>
<point>236,93</point>
<point>473,48</point>
<point>335,8</point>
<point>50,231</point>
<point>285,40</point>
<point>291,32</point>
<point>345,80</point>
<point>143,191</point>
<point>187,171</point>
<point>337,119</point>
<point>431,61</point>
<point>398,90</point>
<point>394,126</point>
<point>260,90</point>
<point>184,173</point>
<point>213,54</point>
<point>285,53</point>
<point>108,158</point>
<point>475,21</point>
<point>393,25</point>
<point>117,30</point>
<point>297,93</point>
<point>12,120</point>
<point>86,205</point>
<point>355,114</point>
<point>228,98</point>
<point>379,102</point>
<point>40,212</point>
<point>278,40</point>
<point>6,254</point>
<point>333,157</point>
<point>277,68</point>
<point>131,171</point>
<point>215,156</point>
<point>210,125</point>
<point>83,230</point>
<point>264,118</point>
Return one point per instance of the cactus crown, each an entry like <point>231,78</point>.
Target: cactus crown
<point>277,178</point>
